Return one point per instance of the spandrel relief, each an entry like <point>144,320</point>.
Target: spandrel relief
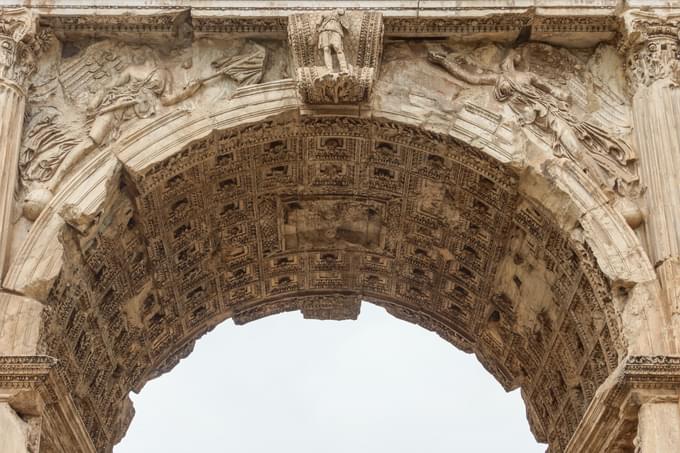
<point>547,103</point>
<point>555,101</point>
<point>103,88</point>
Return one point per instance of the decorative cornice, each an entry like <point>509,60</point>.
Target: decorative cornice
<point>638,379</point>
<point>155,23</point>
<point>575,24</point>
<point>423,7</point>
<point>456,25</point>
<point>439,22</point>
<point>652,372</point>
<point>40,374</point>
<point>500,23</point>
<point>25,372</point>
<point>273,26</point>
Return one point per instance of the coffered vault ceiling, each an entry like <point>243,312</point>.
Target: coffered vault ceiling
<point>318,214</point>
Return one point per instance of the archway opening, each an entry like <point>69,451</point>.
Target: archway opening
<point>288,384</point>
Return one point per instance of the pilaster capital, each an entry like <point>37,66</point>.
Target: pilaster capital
<point>18,46</point>
<point>651,45</point>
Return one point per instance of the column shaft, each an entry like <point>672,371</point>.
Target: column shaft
<point>13,431</point>
<point>656,116</point>
<point>658,427</point>
<point>12,105</point>
<point>17,63</point>
<point>652,67</point>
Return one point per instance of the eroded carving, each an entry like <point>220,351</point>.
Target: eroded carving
<point>313,224</point>
<point>545,108</point>
<point>337,55</point>
<point>17,45</point>
<point>320,213</point>
<point>652,48</point>
<point>247,67</point>
<point>331,33</point>
<point>114,84</point>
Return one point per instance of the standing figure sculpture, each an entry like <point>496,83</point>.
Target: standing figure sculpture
<point>331,32</point>
<point>538,103</point>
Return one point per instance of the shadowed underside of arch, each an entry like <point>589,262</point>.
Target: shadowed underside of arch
<point>317,215</point>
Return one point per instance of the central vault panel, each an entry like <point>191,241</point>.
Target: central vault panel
<point>317,215</point>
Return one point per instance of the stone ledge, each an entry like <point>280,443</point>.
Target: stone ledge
<point>611,418</point>
<point>278,7</point>
<point>558,21</point>
<point>25,372</point>
<point>63,429</point>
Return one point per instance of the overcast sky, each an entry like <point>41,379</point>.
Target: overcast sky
<point>283,384</point>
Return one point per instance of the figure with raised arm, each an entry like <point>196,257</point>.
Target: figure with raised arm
<point>132,94</point>
<point>538,103</point>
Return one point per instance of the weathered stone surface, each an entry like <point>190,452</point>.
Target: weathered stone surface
<point>13,431</point>
<point>659,426</point>
<point>336,55</point>
<point>17,63</point>
<point>20,322</point>
<point>504,177</point>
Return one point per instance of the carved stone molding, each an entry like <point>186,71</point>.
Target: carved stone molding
<point>652,49</point>
<point>505,25</point>
<point>171,27</point>
<point>336,55</point>
<point>436,21</point>
<point>610,422</point>
<point>112,23</point>
<point>54,422</point>
<point>23,385</point>
<point>335,308</point>
<point>263,26</point>
<point>24,372</point>
<point>17,46</point>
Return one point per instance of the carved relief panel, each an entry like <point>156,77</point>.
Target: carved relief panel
<point>87,94</point>
<point>546,90</point>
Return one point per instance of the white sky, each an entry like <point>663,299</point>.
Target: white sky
<point>283,384</point>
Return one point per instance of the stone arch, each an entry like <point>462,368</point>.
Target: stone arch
<point>445,231</point>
